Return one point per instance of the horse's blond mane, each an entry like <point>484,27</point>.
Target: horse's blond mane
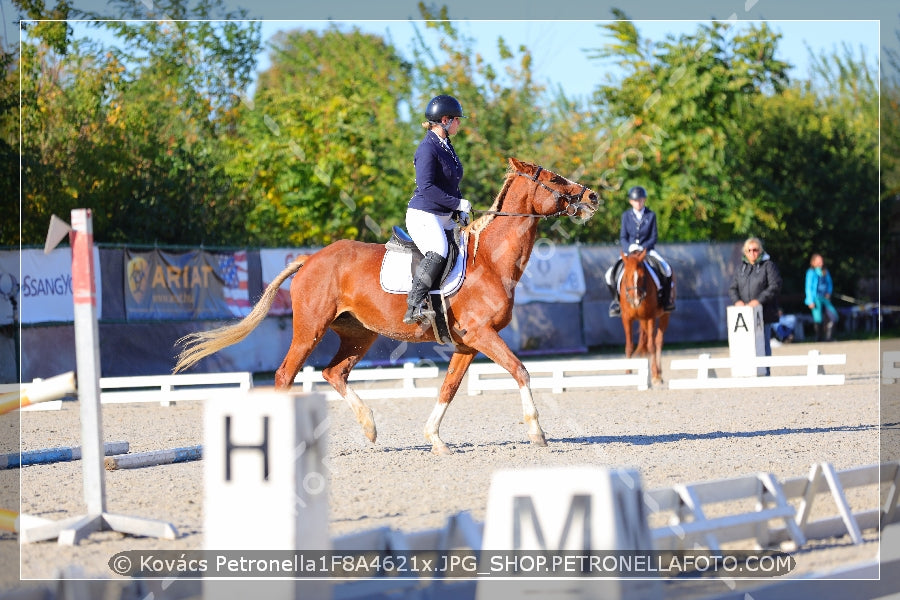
<point>478,225</point>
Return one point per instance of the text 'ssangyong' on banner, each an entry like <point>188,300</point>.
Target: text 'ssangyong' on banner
<point>274,261</point>
<point>46,285</point>
<point>189,285</point>
<point>554,274</point>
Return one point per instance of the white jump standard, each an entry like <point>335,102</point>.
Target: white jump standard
<point>87,360</point>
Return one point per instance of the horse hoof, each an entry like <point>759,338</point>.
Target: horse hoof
<point>441,450</point>
<point>370,431</point>
<point>538,439</point>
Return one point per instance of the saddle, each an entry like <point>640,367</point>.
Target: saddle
<point>401,242</point>
<point>652,265</point>
<point>399,265</point>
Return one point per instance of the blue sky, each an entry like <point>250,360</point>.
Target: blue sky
<point>558,47</point>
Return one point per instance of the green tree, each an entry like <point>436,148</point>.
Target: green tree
<point>890,176</point>
<point>672,121</point>
<point>133,130</point>
<point>809,158</point>
<point>323,152</point>
<point>500,121</point>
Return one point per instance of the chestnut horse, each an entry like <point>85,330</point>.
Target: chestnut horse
<point>639,302</point>
<point>338,288</point>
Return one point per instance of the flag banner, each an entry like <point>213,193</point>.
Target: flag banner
<point>233,268</point>
<point>190,285</point>
<point>46,286</point>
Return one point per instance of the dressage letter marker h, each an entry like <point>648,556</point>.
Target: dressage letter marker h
<point>265,482</point>
<point>745,340</point>
<point>231,447</point>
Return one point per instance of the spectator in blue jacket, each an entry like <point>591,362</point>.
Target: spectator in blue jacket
<point>434,202</point>
<point>638,231</point>
<point>818,298</point>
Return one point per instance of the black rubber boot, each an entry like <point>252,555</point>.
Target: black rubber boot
<point>427,276</point>
<point>668,302</point>
<point>614,309</point>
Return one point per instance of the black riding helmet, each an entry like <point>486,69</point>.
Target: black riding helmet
<point>443,106</point>
<point>636,193</point>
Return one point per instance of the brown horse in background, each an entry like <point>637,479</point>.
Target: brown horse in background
<point>338,288</point>
<point>639,302</point>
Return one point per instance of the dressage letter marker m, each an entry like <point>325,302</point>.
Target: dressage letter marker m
<point>552,510</point>
<point>745,340</point>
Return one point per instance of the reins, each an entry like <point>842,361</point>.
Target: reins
<point>571,209</point>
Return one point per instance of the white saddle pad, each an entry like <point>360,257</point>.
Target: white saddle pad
<point>396,271</point>
<point>652,274</point>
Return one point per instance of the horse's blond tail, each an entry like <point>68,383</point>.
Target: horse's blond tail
<point>200,344</point>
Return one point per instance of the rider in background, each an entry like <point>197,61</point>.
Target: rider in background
<point>435,200</point>
<point>638,231</point>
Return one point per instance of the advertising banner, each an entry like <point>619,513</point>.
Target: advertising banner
<point>273,262</point>
<point>554,274</point>
<point>190,285</point>
<point>46,286</point>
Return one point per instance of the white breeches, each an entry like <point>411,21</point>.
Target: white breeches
<point>427,230</point>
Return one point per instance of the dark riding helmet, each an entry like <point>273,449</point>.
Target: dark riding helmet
<point>636,193</point>
<point>443,106</point>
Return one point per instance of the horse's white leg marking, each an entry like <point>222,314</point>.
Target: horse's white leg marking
<point>364,414</point>
<point>433,426</point>
<point>530,416</point>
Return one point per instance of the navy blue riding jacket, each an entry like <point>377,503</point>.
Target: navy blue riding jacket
<point>438,173</point>
<point>643,233</point>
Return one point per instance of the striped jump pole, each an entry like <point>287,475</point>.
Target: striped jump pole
<point>9,520</point>
<point>153,458</point>
<point>52,388</point>
<point>87,361</point>
<point>14,460</point>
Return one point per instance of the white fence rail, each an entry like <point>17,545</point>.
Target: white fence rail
<point>789,502</point>
<point>706,378</point>
<point>890,370</point>
<point>407,375</point>
<point>168,389</point>
<point>559,375</point>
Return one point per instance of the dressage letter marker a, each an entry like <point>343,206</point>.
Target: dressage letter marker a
<point>265,480</point>
<point>745,339</point>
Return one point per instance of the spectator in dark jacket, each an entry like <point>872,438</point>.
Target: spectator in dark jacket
<point>757,282</point>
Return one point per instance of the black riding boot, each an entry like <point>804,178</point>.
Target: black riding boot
<point>668,302</point>
<point>614,309</point>
<point>427,275</point>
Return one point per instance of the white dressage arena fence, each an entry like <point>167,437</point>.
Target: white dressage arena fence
<point>560,375</point>
<point>706,378</point>
<point>788,502</point>
<point>168,389</point>
<point>407,376</point>
<point>890,369</point>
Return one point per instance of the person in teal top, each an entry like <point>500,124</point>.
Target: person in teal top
<point>818,298</point>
